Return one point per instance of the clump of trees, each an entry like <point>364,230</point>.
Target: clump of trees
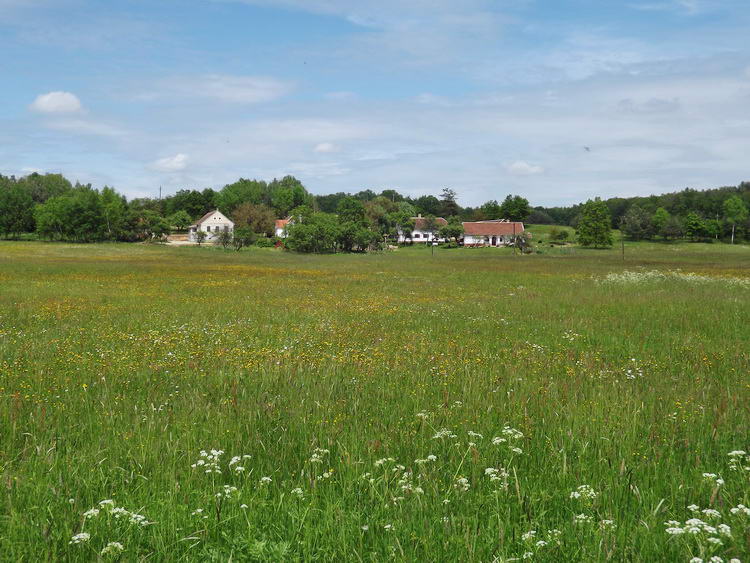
<point>595,225</point>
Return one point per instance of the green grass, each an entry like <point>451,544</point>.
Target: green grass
<point>120,363</point>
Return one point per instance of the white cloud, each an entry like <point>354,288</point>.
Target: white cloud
<point>223,87</point>
<point>56,102</point>
<point>85,127</point>
<point>171,163</point>
<point>523,168</point>
<point>325,147</point>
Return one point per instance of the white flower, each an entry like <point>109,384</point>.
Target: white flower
<point>388,527</point>
<point>496,441</point>
<point>431,458</point>
<point>365,528</point>
<point>243,506</point>
<point>113,547</point>
<point>72,500</point>
<point>696,560</point>
<point>585,492</point>
<point>462,484</point>
<point>106,503</point>
<point>528,555</point>
<point>693,508</point>
<point>298,492</point>
<point>528,535</point>
<point>607,524</point>
<point>197,512</point>
<point>582,519</point>
<point>80,538</point>
<point>90,513</point>
<point>711,513</point>
<point>540,543</point>
<point>265,480</point>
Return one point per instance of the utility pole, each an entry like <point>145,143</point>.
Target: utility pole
<point>160,193</point>
<point>515,242</point>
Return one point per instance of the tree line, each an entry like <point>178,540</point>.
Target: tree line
<point>54,208</point>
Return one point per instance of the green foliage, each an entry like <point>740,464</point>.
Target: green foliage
<point>594,228</point>
<point>351,210</point>
<point>260,218</point>
<point>735,211</point>
<point>559,235</point>
<point>180,220</point>
<point>694,226</point>
<point>637,224</point>
<point>77,215</point>
<point>659,220</point>
<point>316,233</point>
<point>448,205</point>
<point>200,236</point>
<point>16,209</point>
<point>454,230</point>
<point>515,208</point>
<point>225,238</point>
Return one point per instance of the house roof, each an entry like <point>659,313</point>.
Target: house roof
<point>281,223</point>
<point>207,215</point>
<point>421,222</point>
<point>492,228</point>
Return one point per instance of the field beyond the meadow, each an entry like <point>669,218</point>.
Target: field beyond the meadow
<point>201,404</point>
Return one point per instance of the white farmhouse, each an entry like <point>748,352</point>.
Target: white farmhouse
<point>420,232</point>
<point>499,232</point>
<point>212,223</point>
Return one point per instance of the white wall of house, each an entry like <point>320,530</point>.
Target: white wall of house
<point>212,226</point>
<point>420,236</point>
<point>500,240</point>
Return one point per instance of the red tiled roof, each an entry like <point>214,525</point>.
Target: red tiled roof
<point>492,228</point>
<point>421,222</point>
<point>281,223</point>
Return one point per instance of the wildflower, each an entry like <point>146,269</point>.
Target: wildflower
<point>693,508</point>
<point>381,461</point>
<point>711,513</point>
<point>423,415</point>
<point>511,433</point>
<point>388,527</point>
<point>518,451</point>
<point>528,555</point>
<point>713,477</point>
<point>462,484</point>
<point>715,541</point>
<point>265,480</point>
<point>365,528</point>
<point>582,519</point>
<point>113,547</point>
<point>298,492</point>
<point>106,503</point>
<point>585,492</point>
<point>740,509</point>
<point>725,530</point>
<point>607,525</point>
<point>541,543</point>
<point>431,458</point>
<point>243,506</point>
<point>528,535</point>
<point>91,513</point>
<point>497,440</point>
<point>475,435</point>
<point>444,433</point>
<point>197,512</point>
<point>239,469</point>
<point>83,537</point>
<point>72,500</point>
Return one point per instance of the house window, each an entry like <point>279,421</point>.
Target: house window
<point>208,229</point>
<point>226,228</point>
<point>416,235</point>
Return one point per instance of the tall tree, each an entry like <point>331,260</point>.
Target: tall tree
<point>595,225</point>
<point>259,218</point>
<point>448,205</point>
<point>735,211</point>
<point>16,209</point>
<point>659,220</point>
<point>515,208</point>
<point>636,223</point>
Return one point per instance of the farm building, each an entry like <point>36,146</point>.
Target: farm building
<point>212,223</point>
<point>280,227</point>
<point>420,232</point>
<point>499,232</point>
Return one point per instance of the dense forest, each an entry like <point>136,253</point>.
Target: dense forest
<point>50,206</point>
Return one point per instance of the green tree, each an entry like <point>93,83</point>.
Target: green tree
<point>259,217</point>
<point>673,228</point>
<point>16,209</point>
<point>448,204</point>
<point>180,220</point>
<point>695,228</point>
<point>114,210</point>
<point>735,211</point>
<point>491,210</point>
<point>318,233</point>
<point>225,238</point>
<point>636,223</point>
<point>243,236</point>
<point>594,227</point>
<point>453,230</point>
<point>200,236</point>
<point>659,220</point>
<point>350,209</point>
<point>515,208</point>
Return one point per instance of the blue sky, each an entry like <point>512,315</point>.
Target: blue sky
<point>487,97</point>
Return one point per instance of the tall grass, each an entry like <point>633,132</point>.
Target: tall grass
<point>381,406</point>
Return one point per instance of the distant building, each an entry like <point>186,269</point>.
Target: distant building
<point>499,232</point>
<point>281,226</point>
<point>212,224</point>
<point>420,233</point>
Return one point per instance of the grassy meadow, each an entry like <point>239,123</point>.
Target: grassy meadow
<point>175,404</point>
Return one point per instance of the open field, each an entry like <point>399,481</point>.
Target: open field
<point>374,406</point>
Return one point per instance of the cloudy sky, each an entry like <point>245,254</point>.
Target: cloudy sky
<point>557,100</point>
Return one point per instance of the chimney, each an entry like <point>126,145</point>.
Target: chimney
<point>419,215</point>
